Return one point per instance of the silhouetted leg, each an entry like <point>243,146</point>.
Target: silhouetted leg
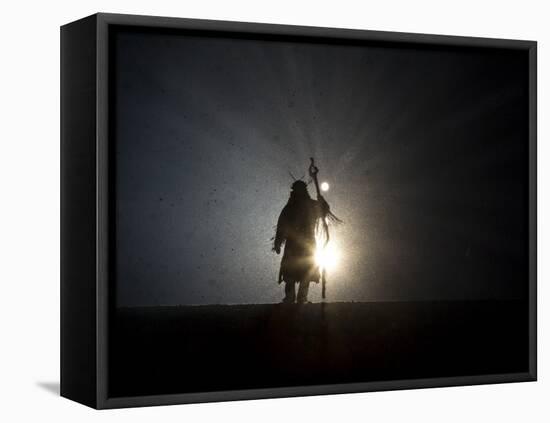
<point>302,292</point>
<point>290,292</point>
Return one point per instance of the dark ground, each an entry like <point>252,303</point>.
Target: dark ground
<point>163,350</point>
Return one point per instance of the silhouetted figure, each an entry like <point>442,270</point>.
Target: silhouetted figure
<point>296,228</point>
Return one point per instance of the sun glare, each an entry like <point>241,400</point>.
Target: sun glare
<point>325,186</point>
<point>327,257</point>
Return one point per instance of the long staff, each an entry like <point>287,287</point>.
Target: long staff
<point>313,171</point>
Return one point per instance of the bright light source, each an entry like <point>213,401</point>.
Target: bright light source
<point>325,186</point>
<point>327,257</point>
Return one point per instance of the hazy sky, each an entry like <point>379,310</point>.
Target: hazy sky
<point>425,151</point>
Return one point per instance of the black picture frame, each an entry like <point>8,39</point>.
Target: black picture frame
<point>86,216</point>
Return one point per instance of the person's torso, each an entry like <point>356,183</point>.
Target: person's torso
<point>301,222</point>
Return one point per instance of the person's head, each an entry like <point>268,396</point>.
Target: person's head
<point>299,189</point>
<point>299,186</point>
